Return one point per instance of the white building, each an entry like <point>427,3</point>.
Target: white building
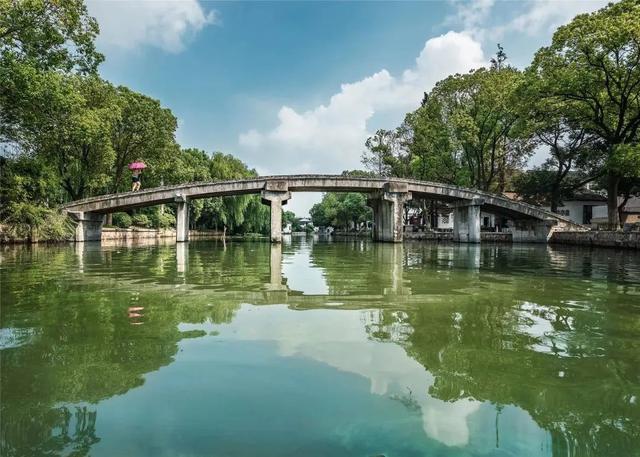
<point>582,207</point>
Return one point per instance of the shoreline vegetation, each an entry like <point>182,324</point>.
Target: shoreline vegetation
<point>66,133</point>
<point>133,236</point>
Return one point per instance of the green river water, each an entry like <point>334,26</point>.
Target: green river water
<point>312,348</point>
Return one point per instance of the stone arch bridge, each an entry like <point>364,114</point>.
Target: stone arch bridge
<point>385,195</point>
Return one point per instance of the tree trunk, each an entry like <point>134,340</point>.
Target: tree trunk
<point>621,206</point>
<point>612,200</point>
<point>555,197</point>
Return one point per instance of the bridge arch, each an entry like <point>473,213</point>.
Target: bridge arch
<point>386,196</point>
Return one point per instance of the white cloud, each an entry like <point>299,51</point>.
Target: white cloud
<point>470,13</point>
<point>546,15</point>
<point>164,24</point>
<point>330,138</point>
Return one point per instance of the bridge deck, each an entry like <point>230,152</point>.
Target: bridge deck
<point>311,183</point>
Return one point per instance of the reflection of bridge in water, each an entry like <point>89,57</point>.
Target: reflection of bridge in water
<point>386,196</point>
<point>393,267</point>
<point>468,324</point>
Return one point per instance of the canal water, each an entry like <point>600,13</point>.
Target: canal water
<point>344,348</point>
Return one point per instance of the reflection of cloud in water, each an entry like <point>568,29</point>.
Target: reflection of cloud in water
<point>301,274</point>
<point>339,339</point>
<point>537,323</point>
<point>15,337</point>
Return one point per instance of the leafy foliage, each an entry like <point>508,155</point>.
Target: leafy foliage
<point>141,220</point>
<point>122,220</point>
<point>593,67</point>
<point>49,35</point>
<point>24,220</point>
<point>344,210</point>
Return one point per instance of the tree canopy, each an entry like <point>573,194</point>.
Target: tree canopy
<point>593,67</point>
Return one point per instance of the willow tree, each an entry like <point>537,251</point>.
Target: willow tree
<point>593,66</point>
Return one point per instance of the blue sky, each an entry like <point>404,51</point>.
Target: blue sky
<point>296,87</point>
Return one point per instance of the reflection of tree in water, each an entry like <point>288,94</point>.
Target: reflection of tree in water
<point>408,401</point>
<point>490,348</point>
<point>65,433</point>
<point>511,326</point>
<point>556,351</point>
<point>84,348</point>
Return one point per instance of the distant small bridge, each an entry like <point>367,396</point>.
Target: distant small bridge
<point>385,195</point>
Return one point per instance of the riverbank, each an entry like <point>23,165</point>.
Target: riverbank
<point>138,234</point>
<point>619,239</point>
<point>609,239</point>
<point>624,240</point>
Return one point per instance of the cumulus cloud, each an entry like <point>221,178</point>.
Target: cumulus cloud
<point>164,24</point>
<point>330,137</point>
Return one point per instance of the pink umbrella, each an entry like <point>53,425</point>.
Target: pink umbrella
<point>137,166</point>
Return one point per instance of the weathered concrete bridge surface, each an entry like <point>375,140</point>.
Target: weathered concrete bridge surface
<point>385,195</point>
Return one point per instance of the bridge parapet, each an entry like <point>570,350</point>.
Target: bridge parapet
<point>273,189</point>
<point>276,185</point>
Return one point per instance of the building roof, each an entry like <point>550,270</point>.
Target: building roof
<point>586,195</point>
<point>632,206</point>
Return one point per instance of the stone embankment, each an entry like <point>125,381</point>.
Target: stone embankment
<point>448,236</point>
<point>626,240</point>
<point>135,234</point>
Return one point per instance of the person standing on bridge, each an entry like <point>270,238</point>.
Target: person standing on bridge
<point>136,168</point>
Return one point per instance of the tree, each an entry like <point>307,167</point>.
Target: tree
<point>593,66</point>
<point>379,154</point>
<point>497,62</point>
<point>49,35</point>
<point>143,130</point>
<point>573,153</point>
<point>430,142</point>
<point>480,106</point>
<point>340,210</point>
<point>289,217</point>
<point>78,145</point>
<point>323,214</point>
<point>238,213</point>
<point>467,130</point>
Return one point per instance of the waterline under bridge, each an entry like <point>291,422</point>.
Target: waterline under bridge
<point>386,196</point>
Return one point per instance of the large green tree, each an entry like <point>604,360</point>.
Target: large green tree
<point>574,154</point>
<point>479,107</point>
<point>468,131</point>
<point>430,142</point>
<point>78,146</point>
<point>593,66</point>
<point>49,35</point>
<point>143,130</point>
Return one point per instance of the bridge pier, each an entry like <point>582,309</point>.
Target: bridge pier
<point>182,218</point>
<point>388,207</point>
<point>275,199</point>
<point>532,230</point>
<point>466,221</point>
<point>89,226</point>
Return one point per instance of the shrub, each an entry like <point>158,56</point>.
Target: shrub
<point>35,222</point>
<point>141,220</point>
<point>163,220</point>
<point>122,220</point>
